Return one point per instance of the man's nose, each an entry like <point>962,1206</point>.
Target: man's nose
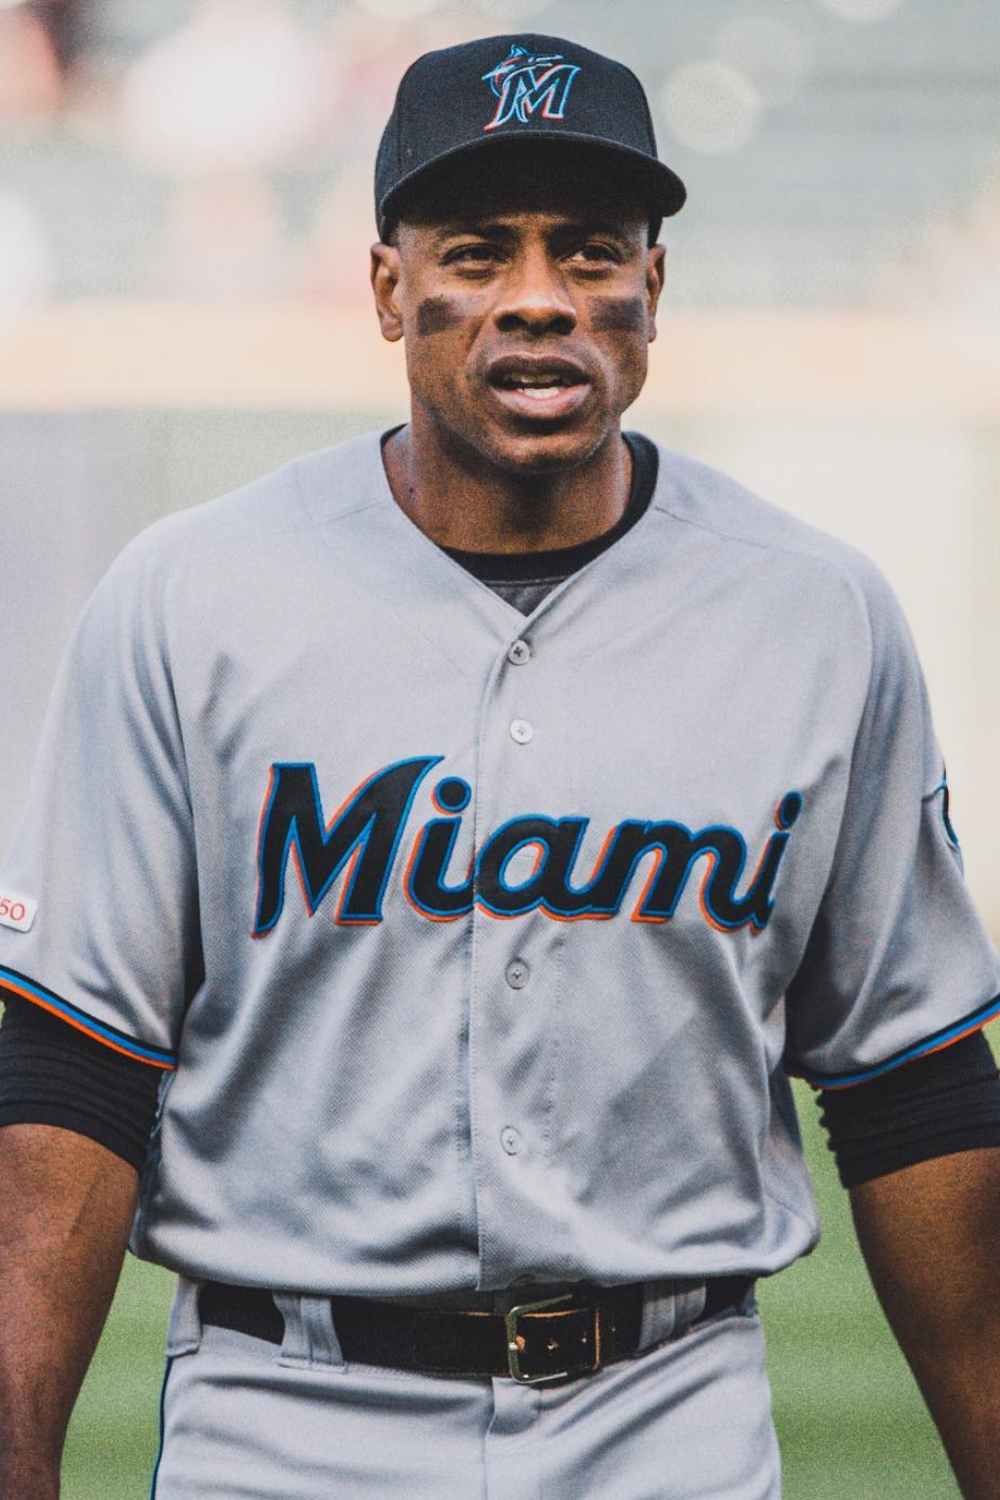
<point>534,297</point>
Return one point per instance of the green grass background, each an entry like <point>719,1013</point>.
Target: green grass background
<point>850,1421</point>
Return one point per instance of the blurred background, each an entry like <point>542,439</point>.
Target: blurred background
<point>185,214</point>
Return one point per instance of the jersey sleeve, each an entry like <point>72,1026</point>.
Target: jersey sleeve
<point>898,962</point>
<point>98,894</point>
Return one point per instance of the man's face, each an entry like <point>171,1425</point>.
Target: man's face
<point>526,293</point>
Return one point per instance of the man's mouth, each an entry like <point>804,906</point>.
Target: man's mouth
<point>548,388</point>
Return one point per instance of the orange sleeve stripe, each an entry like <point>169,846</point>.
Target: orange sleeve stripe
<point>17,984</point>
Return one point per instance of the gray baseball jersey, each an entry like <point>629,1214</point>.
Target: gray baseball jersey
<point>476,946</point>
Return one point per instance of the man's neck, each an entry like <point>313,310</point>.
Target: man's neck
<point>460,500</point>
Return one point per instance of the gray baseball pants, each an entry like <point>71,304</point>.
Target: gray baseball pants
<point>246,1420</point>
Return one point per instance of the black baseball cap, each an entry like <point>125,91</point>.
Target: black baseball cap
<point>525,88</point>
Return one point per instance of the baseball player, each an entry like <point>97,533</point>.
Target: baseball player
<point>440,854</point>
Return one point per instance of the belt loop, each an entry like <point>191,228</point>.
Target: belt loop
<point>690,1304</point>
<point>184,1327</point>
<point>668,1307</point>
<point>310,1340</point>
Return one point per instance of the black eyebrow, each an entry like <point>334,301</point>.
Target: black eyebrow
<point>609,228</point>
<point>497,229</point>
<point>485,227</point>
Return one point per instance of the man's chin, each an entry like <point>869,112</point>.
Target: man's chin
<point>544,451</point>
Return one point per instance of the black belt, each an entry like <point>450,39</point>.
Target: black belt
<point>575,1333</point>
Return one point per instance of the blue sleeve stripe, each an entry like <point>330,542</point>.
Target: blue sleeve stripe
<point>972,1022</point>
<point>118,1041</point>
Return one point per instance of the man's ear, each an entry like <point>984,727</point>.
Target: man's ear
<point>385,273</point>
<point>656,268</point>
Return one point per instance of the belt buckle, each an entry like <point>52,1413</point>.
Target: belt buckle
<point>514,1347</point>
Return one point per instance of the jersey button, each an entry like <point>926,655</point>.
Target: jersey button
<point>521,731</point>
<point>517,973</point>
<point>518,653</point>
<point>510,1140</point>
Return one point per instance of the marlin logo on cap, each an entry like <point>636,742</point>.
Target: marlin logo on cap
<point>526,82</point>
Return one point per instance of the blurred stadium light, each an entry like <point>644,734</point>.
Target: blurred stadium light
<point>711,106</point>
<point>236,87</point>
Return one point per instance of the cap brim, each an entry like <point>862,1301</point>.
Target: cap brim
<point>662,190</point>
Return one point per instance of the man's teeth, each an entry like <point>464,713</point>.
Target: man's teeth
<point>545,381</point>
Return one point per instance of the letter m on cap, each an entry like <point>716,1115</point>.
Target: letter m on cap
<point>527,83</point>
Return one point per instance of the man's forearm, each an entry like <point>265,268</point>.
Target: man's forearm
<point>929,1235</point>
<point>66,1206</point>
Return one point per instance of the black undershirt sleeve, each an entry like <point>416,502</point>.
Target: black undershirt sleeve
<point>934,1106</point>
<point>52,1074</point>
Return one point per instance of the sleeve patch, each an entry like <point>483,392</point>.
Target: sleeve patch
<point>110,1036</point>
<point>17,911</point>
